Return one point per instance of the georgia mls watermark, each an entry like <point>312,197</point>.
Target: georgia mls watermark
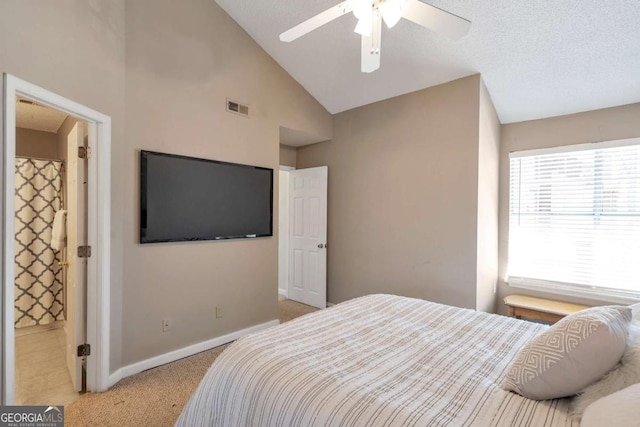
<point>31,416</point>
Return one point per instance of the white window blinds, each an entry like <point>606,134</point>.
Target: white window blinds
<point>574,218</point>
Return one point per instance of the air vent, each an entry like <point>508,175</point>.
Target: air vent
<point>237,108</point>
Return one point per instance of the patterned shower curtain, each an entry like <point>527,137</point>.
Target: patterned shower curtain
<point>38,285</point>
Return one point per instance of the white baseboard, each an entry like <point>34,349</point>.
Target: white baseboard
<point>330,304</point>
<point>114,378</point>
<point>174,355</point>
<point>283,292</point>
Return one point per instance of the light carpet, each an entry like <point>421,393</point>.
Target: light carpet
<point>155,397</point>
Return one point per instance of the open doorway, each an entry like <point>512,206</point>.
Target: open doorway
<point>47,203</point>
<point>89,357</point>
<point>302,244</point>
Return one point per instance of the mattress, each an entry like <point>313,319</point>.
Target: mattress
<point>379,360</point>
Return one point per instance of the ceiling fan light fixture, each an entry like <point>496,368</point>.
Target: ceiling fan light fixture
<point>391,11</point>
<point>364,27</point>
<point>362,8</point>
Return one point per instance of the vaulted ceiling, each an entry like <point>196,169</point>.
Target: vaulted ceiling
<point>537,58</point>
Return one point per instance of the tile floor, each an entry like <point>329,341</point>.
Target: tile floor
<point>42,377</point>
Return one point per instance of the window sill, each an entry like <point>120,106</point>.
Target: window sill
<point>598,294</point>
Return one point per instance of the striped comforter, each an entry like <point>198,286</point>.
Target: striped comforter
<point>379,360</point>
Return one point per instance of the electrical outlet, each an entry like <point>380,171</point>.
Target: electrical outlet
<point>218,312</point>
<point>166,327</point>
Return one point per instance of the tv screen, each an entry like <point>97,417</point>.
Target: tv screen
<point>186,198</point>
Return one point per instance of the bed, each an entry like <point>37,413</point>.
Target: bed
<point>379,360</point>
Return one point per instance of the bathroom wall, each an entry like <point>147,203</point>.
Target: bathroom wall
<point>35,143</point>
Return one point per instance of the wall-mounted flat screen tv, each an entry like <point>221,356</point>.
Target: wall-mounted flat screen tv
<point>186,198</point>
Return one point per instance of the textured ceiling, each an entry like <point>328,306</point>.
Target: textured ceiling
<point>538,58</point>
<point>37,117</point>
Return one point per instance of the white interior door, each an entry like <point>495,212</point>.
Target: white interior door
<point>76,236</point>
<point>308,236</point>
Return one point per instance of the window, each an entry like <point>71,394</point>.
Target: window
<point>574,220</point>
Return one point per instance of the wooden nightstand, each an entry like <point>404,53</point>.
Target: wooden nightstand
<point>546,310</point>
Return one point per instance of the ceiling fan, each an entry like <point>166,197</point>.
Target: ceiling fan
<point>371,13</point>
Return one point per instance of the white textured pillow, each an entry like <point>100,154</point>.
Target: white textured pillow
<point>571,354</point>
<point>619,409</point>
<point>635,309</point>
<point>626,374</point>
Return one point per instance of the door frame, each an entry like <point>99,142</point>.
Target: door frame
<point>98,231</point>
<point>283,216</point>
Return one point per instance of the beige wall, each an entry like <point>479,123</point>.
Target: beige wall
<point>288,156</point>
<point>35,143</point>
<point>183,60</point>
<point>488,166</point>
<point>403,195</point>
<point>76,49</point>
<point>593,126</point>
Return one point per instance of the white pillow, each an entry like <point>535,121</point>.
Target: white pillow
<point>635,309</point>
<point>619,409</point>
<point>626,374</point>
<point>571,354</point>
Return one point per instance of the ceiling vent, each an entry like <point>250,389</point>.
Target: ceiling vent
<point>237,108</point>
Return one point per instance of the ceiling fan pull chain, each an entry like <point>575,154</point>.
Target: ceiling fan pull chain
<point>377,32</point>
<point>374,45</point>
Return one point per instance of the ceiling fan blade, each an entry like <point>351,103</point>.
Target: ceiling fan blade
<point>435,19</point>
<point>317,21</point>
<point>371,48</point>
